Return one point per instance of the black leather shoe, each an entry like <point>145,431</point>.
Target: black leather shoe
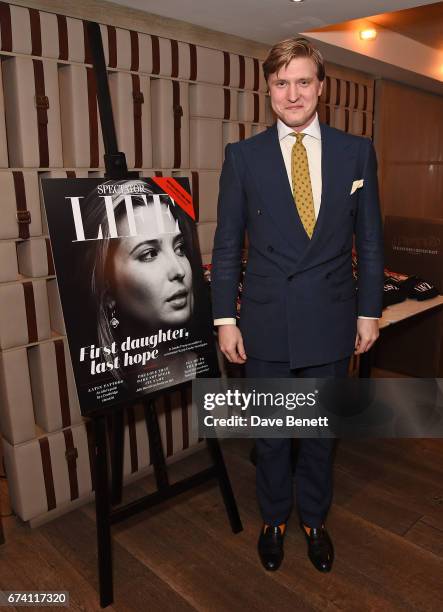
<point>270,548</point>
<point>320,549</point>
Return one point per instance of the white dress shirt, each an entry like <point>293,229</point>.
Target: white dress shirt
<point>312,143</point>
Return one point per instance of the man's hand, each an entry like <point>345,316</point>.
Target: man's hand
<point>231,343</point>
<point>367,334</point>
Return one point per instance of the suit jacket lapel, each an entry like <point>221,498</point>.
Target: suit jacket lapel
<point>327,170</point>
<point>335,181</point>
<point>269,169</point>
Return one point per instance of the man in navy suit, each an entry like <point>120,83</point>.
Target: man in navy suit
<point>302,191</point>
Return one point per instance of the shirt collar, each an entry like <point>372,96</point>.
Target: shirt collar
<point>313,129</point>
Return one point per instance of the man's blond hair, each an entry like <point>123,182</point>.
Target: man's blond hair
<point>286,50</point>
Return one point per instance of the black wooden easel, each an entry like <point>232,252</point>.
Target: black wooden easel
<point>107,496</point>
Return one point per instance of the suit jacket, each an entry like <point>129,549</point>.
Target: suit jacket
<point>299,301</point>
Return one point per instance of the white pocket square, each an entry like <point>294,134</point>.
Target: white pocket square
<point>356,185</point>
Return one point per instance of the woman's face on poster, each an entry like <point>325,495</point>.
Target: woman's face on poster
<point>152,276</point>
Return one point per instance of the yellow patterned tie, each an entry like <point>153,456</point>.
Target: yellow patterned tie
<point>301,184</point>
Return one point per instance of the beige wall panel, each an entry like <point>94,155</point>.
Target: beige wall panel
<point>164,109</point>
<point>23,320</point>
<point>53,389</point>
<point>16,415</point>
<point>131,103</point>
<point>206,143</point>
<point>8,261</point>
<point>81,130</point>
<point>23,117</point>
<point>33,258</point>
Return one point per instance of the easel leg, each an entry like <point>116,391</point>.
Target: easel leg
<point>102,509</point>
<point>225,484</point>
<point>156,446</point>
<point>117,445</point>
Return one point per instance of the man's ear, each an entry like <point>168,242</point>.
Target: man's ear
<point>321,87</point>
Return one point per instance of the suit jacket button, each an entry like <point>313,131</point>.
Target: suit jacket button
<point>270,249</point>
<point>258,212</point>
<point>290,277</point>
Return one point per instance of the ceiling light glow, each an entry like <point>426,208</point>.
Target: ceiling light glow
<point>369,34</point>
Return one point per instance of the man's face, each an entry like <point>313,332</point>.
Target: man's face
<point>294,92</point>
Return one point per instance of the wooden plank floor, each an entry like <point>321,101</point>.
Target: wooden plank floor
<point>386,523</point>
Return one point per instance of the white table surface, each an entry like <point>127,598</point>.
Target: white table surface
<point>408,308</point>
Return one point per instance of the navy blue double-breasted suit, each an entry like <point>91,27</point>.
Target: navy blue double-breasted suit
<point>300,303</point>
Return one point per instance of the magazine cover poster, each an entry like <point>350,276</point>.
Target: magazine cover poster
<point>136,307</point>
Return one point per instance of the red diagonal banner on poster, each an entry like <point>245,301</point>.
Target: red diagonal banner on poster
<point>177,193</point>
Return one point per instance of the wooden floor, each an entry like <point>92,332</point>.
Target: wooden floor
<point>386,523</point>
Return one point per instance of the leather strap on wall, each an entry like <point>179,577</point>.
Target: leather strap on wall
<point>346,120</point>
<point>178,113</point>
<point>195,194</point>
<point>184,412</point>
<point>62,382</point>
<point>135,53</point>
<point>241,131</point>
<point>93,118</point>
<point>155,54</point>
<point>88,55</point>
<point>36,32</point>
<point>241,61</point>
<point>132,439</point>
<point>168,422</point>
<point>174,58</point>
<point>347,94</point>
<point>356,89</point>
<point>31,316</point>
<point>328,115</point>
<point>365,98</point>
<point>138,100</point>
<point>23,214</point>
<point>227,68</point>
<point>328,90</point>
<point>42,105</point>
<point>5,26</point>
<point>337,92</point>
<point>256,108</point>
<point>256,74</point>
<point>112,46</point>
<point>50,259</point>
<point>71,456</point>
<point>227,108</point>
<point>47,473</point>
<point>193,62</point>
<point>63,45</point>
<point>364,125</point>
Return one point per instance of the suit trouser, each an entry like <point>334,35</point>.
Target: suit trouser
<point>313,474</point>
